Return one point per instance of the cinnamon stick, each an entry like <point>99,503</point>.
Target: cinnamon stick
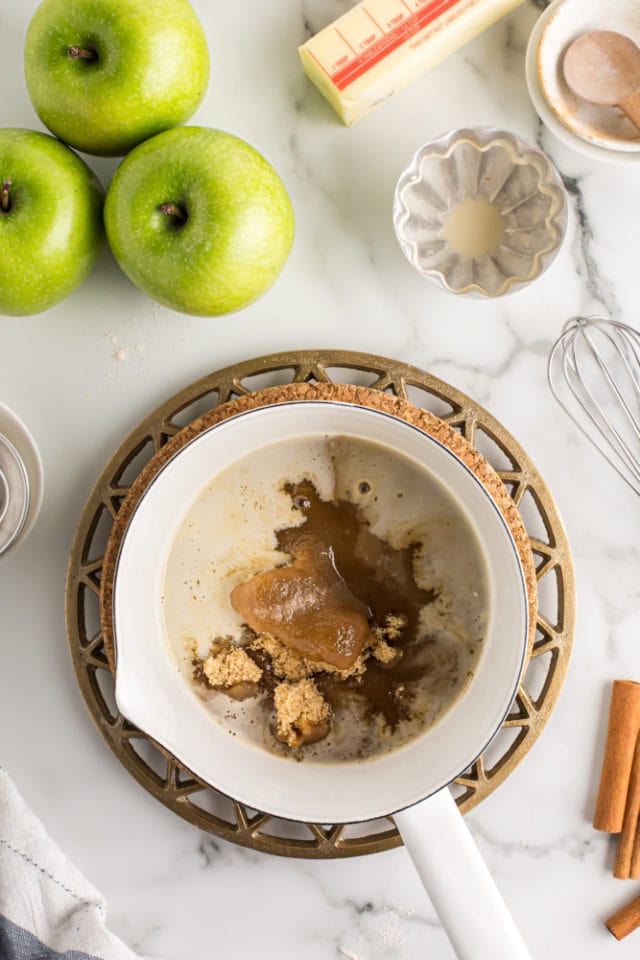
<point>634,871</point>
<point>625,921</point>
<point>622,867</point>
<point>624,723</point>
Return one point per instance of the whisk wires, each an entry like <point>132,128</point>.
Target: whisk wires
<point>594,374</point>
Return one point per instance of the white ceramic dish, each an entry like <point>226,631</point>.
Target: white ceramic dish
<point>152,693</point>
<point>510,189</point>
<point>558,25</point>
<point>607,127</point>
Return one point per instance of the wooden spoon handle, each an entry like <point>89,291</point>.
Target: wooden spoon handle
<point>631,106</point>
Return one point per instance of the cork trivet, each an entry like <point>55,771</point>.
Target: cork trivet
<point>342,393</point>
<point>167,780</point>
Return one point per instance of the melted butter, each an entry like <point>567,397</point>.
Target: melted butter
<point>474,227</point>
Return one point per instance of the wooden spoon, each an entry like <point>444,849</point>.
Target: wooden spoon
<point>604,68</point>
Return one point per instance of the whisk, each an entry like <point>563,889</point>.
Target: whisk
<point>594,373</point>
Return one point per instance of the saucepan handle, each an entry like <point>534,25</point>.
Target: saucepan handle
<point>463,892</point>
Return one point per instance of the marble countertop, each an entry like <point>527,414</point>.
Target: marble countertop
<point>84,374</point>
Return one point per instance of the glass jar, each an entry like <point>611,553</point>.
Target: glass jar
<point>21,481</point>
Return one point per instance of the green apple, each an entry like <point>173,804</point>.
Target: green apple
<point>104,75</point>
<point>50,221</point>
<point>199,220</point>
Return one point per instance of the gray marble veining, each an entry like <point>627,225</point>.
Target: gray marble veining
<point>83,375</point>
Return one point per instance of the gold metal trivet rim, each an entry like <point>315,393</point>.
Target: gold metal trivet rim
<point>161,774</point>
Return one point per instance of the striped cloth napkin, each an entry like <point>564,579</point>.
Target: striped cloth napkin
<point>48,911</point>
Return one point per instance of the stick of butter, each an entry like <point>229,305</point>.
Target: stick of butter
<point>381,46</point>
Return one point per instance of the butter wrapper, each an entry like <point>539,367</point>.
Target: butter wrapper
<point>381,46</point>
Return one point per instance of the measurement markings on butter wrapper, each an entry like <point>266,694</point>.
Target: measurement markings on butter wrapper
<point>363,40</point>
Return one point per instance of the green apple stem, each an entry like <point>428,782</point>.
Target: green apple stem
<point>80,53</point>
<point>173,210</point>
<point>5,196</point>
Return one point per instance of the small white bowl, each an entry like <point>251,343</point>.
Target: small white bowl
<point>480,212</point>
<point>607,127</point>
<point>598,132</point>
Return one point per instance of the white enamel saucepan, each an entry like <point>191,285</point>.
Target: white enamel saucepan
<point>411,782</point>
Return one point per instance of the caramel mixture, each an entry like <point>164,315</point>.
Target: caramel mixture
<point>353,635</point>
<point>324,612</point>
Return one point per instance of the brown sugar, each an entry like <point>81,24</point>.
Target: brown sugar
<point>392,630</point>
<point>303,716</point>
<point>385,653</point>
<point>285,664</point>
<point>393,627</point>
<point>288,665</point>
<point>302,713</point>
<point>227,668</point>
